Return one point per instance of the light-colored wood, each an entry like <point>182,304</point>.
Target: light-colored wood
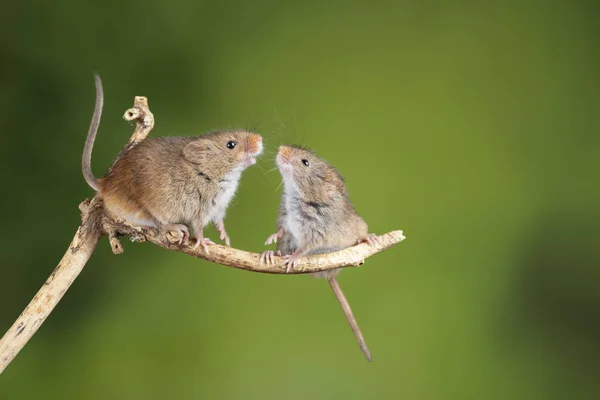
<point>228,256</point>
<point>42,304</point>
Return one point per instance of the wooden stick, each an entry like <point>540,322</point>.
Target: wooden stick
<point>49,295</point>
<point>350,257</point>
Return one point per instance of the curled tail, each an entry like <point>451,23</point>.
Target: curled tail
<point>349,316</point>
<point>86,160</point>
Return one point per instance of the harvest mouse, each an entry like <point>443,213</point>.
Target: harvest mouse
<point>316,216</point>
<point>174,182</point>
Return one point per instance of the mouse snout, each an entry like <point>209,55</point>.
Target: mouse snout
<point>283,159</point>
<point>284,153</point>
<point>254,143</point>
<point>253,148</point>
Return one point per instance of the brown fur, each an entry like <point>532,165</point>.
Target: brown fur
<point>176,180</point>
<point>168,182</point>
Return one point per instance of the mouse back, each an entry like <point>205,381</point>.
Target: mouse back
<point>144,178</point>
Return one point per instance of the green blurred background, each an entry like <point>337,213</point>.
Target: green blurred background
<point>472,127</point>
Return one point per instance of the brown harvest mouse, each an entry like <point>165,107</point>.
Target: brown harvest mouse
<point>174,182</point>
<point>315,217</point>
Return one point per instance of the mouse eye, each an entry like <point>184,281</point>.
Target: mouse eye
<point>305,162</point>
<point>231,144</point>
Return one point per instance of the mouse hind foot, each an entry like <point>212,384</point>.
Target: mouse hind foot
<point>182,232</point>
<point>292,260</point>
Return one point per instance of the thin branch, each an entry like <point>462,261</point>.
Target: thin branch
<point>240,259</point>
<point>96,222</point>
<point>54,288</point>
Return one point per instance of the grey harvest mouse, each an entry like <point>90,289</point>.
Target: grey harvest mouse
<point>315,217</point>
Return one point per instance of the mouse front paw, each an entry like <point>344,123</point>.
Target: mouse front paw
<point>371,239</point>
<point>223,234</point>
<point>274,237</point>
<point>224,237</point>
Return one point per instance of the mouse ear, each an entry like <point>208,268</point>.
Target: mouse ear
<point>198,151</point>
<point>335,187</point>
<point>338,182</point>
<point>341,187</point>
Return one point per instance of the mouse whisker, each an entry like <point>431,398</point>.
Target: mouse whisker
<point>255,127</point>
<point>278,186</point>
<point>278,120</point>
<point>258,164</point>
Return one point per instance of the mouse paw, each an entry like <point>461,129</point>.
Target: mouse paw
<point>274,237</point>
<point>182,232</point>
<point>204,242</point>
<point>224,237</point>
<point>223,234</point>
<point>372,239</point>
<point>291,261</point>
<point>268,257</point>
<point>271,239</point>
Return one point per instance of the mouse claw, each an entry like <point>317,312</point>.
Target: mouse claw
<point>290,267</point>
<point>274,237</point>
<point>226,238</point>
<point>223,234</point>
<point>371,239</point>
<point>181,230</point>
<point>204,242</point>
<point>267,257</point>
<point>291,261</point>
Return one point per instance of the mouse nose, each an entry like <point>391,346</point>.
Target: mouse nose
<point>255,142</point>
<point>285,151</point>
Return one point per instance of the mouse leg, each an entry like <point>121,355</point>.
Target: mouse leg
<point>221,228</point>
<point>200,239</point>
<point>370,238</point>
<point>182,231</point>
<point>274,237</point>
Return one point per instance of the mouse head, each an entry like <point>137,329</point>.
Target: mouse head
<point>224,152</point>
<point>309,174</point>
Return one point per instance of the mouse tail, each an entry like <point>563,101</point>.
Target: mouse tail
<point>349,316</point>
<point>86,160</point>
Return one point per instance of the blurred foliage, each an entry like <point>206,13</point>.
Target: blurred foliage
<point>472,126</point>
